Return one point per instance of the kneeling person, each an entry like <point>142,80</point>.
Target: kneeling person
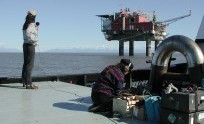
<point>109,84</point>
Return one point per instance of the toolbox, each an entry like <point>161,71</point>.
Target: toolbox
<point>123,106</point>
<point>184,102</point>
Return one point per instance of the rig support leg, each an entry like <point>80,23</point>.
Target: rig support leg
<point>131,48</point>
<point>121,48</point>
<point>148,47</point>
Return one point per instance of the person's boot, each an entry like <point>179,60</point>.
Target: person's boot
<point>95,108</point>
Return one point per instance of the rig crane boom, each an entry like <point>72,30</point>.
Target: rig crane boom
<point>169,21</point>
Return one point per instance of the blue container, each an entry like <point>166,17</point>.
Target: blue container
<point>152,106</point>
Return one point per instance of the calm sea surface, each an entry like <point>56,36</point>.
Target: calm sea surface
<point>68,63</point>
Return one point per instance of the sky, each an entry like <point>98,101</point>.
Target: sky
<point>71,24</point>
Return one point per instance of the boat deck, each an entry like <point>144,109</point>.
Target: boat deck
<point>53,103</point>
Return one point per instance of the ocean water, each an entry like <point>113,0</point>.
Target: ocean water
<point>69,63</point>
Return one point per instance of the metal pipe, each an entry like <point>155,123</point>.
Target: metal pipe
<point>178,43</point>
<point>123,23</point>
<point>183,45</point>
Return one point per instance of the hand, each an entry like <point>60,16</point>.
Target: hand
<point>37,23</point>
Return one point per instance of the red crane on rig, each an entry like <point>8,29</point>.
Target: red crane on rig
<point>135,26</point>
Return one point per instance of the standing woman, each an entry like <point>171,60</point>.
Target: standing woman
<point>30,36</point>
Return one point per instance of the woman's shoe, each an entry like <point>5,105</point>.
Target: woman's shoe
<point>32,86</point>
<point>23,82</point>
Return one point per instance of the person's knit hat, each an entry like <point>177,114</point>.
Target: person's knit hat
<point>127,62</point>
<point>32,12</point>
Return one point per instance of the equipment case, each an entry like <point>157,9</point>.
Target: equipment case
<point>174,117</point>
<point>184,102</point>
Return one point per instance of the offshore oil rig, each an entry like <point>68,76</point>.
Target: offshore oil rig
<point>129,26</point>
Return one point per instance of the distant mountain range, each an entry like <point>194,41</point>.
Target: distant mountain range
<point>2,49</point>
<point>71,50</point>
<point>84,50</point>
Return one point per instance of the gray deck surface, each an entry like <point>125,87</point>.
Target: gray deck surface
<point>52,103</point>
